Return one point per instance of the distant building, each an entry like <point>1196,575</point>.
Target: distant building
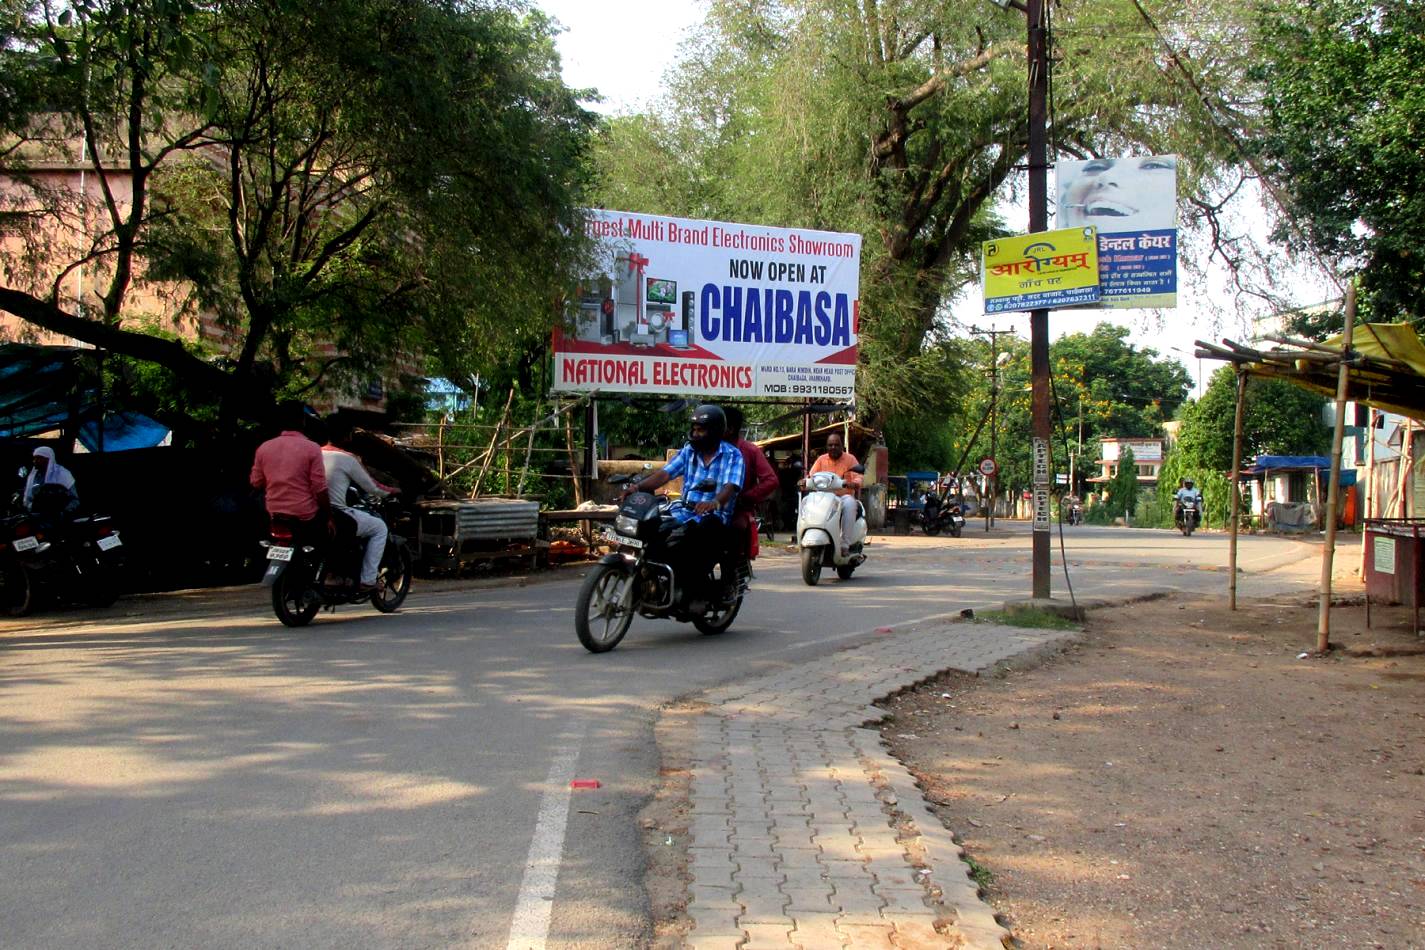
<point>1148,454</point>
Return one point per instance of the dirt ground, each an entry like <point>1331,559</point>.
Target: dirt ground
<point>1181,777</point>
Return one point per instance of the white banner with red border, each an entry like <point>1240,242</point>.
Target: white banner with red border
<point>678,305</point>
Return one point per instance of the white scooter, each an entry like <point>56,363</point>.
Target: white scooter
<point>819,529</point>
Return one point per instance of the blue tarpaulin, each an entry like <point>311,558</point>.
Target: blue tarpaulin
<point>1300,463</point>
<point>123,431</point>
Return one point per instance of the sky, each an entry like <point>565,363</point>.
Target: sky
<point>624,49</point>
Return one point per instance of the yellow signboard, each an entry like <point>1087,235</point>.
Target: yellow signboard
<point>1041,271</point>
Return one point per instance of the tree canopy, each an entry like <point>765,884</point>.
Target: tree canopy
<point>1341,117</point>
<point>904,120</point>
<point>341,185</point>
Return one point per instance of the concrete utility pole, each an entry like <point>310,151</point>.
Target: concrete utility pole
<point>1034,11</point>
<point>1039,319</point>
<point>992,481</point>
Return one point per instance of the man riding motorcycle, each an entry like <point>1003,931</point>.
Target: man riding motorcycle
<point>704,516</point>
<point>1185,495</point>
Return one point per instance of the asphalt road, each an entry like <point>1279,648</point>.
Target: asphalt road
<point>183,771</point>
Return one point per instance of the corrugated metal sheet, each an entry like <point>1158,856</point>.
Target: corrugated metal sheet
<point>489,519</point>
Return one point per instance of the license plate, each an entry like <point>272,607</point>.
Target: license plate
<point>26,544</point>
<point>108,542</point>
<point>279,554</point>
<point>615,538</point>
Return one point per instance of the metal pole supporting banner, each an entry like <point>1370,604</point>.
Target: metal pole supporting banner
<point>1039,319</point>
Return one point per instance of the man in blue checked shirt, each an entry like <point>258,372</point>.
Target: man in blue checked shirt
<point>704,515</point>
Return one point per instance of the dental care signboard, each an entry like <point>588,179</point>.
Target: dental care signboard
<point>1133,202</point>
<point>1040,271</point>
<point>676,305</point>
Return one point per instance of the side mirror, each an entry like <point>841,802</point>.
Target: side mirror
<point>619,479</point>
<point>859,469</point>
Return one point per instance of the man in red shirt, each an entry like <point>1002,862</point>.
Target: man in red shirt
<point>758,483</point>
<point>289,469</point>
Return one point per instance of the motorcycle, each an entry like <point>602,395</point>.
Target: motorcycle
<point>309,573</point>
<point>1076,513</point>
<point>1189,517</point>
<point>46,554</point>
<point>935,516</point>
<point>637,578</point>
<point>819,529</point>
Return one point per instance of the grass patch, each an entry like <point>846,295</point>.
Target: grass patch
<point>981,875</point>
<point>1031,618</point>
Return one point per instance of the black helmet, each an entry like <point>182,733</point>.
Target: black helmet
<point>1187,482</point>
<point>713,421</point>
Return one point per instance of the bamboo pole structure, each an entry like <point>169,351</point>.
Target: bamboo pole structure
<point>494,439</point>
<point>1370,489</point>
<point>573,460</point>
<point>1328,552</point>
<point>1236,489</point>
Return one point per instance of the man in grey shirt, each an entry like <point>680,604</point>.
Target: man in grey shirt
<point>344,470</point>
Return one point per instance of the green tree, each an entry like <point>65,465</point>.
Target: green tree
<point>395,178</point>
<point>904,120</point>
<point>1122,489</point>
<point>1340,124</point>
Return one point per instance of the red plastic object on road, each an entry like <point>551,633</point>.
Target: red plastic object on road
<point>584,783</point>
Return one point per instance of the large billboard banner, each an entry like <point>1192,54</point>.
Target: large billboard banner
<point>679,305</point>
<point>1133,203</point>
<point>1040,271</point>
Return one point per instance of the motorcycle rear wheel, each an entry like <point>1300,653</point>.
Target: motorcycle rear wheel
<point>718,622</point>
<point>932,529</point>
<point>955,531</point>
<point>17,591</point>
<point>102,586</point>
<point>293,601</point>
<point>598,620</point>
<point>393,580</point>
<point>811,565</point>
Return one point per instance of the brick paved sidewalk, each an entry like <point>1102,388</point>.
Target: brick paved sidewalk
<point>805,832</point>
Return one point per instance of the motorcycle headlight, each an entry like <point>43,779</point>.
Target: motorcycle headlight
<point>623,524</point>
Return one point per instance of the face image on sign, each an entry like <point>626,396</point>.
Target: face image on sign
<point>1119,194</point>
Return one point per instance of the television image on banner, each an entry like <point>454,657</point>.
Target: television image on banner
<point>1133,203</point>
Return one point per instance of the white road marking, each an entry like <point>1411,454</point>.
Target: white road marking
<point>530,927</point>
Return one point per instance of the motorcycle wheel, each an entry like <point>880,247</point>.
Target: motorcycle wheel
<point>955,531</point>
<point>393,579</point>
<point>719,621</point>
<point>293,601</point>
<point>811,565</point>
<point>598,620</point>
<point>17,591</point>
<point>932,529</point>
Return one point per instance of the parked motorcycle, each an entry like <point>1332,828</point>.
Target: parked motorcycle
<point>936,516</point>
<point>637,577</point>
<point>1189,517</point>
<point>819,529</point>
<point>309,573</point>
<point>45,554</point>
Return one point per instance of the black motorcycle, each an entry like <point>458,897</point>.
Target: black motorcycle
<point>638,578</point>
<point>310,571</point>
<point>936,516</point>
<point>45,554</point>
<point>1189,517</point>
